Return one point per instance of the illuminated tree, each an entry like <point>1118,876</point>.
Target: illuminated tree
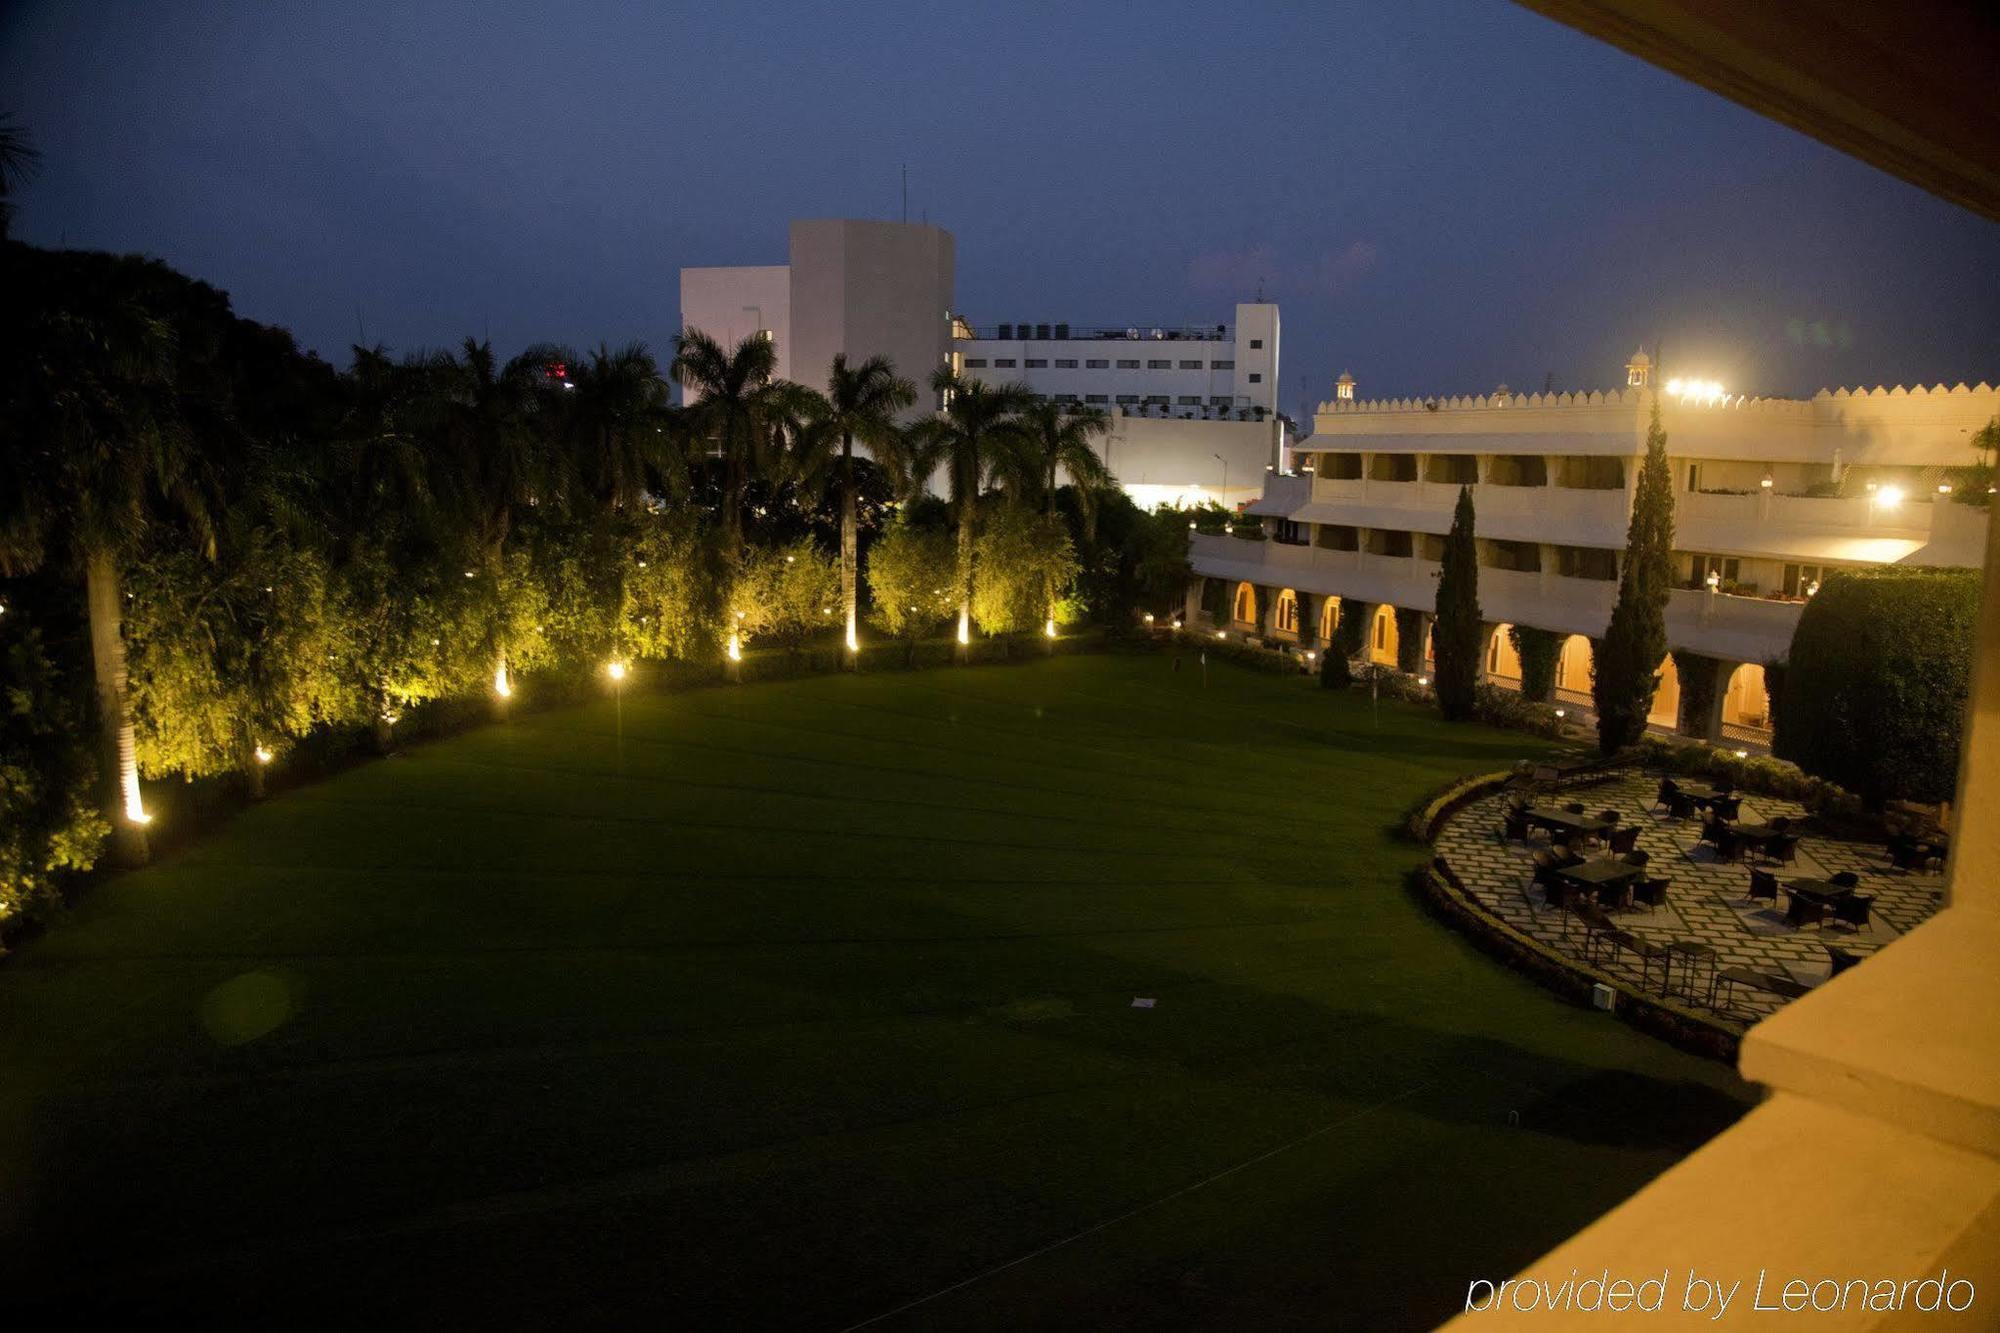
<point>910,581</point>
<point>860,403</point>
<point>785,594</point>
<point>1025,565</point>
<point>98,452</point>
<point>978,426</point>
<point>1626,665</point>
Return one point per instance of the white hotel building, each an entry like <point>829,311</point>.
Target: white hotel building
<point>1769,493</point>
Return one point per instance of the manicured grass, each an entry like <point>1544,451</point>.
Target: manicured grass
<point>811,1000</point>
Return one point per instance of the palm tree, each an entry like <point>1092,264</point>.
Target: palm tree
<point>977,428</point>
<point>497,457</point>
<point>860,403</point>
<point>736,412</point>
<point>1052,436</point>
<point>95,452</point>
<point>18,159</point>
<point>619,428</point>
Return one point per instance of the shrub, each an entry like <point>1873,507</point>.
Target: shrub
<point>1875,697</point>
<point>49,822</point>
<point>1538,650</point>
<point>910,573</point>
<point>784,594</point>
<point>1023,568</point>
<point>1334,672</point>
<point>1507,708</point>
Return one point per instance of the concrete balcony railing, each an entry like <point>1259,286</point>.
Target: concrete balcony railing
<point>1282,495</point>
<point>1511,513</point>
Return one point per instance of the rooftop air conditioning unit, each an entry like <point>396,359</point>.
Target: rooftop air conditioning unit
<point>1062,332</point>
<point>1006,332</point>
<point>1131,333</point>
<point>1159,334</point>
<point>1042,332</point>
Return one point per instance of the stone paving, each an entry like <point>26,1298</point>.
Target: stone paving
<point>1707,900</point>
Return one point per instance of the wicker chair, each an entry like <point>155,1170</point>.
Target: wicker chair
<point>1846,879</point>
<point>1514,826</point>
<point>1727,807</point>
<point>1784,850</point>
<point>1681,806</point>
<point>1638,857</point>
<point>1803,911</point>
<point>1851,909</point>
<point>1763,884</point>
<point>1623,840</point>
<point>1668,790</point>
<point>1651,892</point>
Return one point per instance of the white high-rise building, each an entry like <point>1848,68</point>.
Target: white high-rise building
<point>1202,373</point>
<point>856,286</point>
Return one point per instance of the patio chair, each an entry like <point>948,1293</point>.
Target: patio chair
<point>1574,807</point>
<point>1711,832</point>
<point>1906,854</point>
<point>1729,808</point>
<point>1624,840</point>
<point>1615,897</point>
<point>1609,816</point>
<point>1668,790</point>
<point>1847,879</point>
<point>1546,865</point>
<point>1514,827</point>
<point>1652,892</point>
<point>1638,857</point>
<point>1839,959</point>
<point>1728,847</point>
<point>1801,911</point>
<point>1681,806</point>
<point>1784,850</point>
<point>1763,884</point>
<point>1851,909</point>
<point>1595,923</point>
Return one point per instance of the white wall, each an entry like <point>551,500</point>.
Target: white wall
<point>730,304</point>
<point>871,289</point>
<point>1174,462</point>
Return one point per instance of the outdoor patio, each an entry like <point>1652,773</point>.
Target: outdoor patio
<point>1707,901</point>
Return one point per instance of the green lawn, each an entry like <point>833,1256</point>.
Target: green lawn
<point>814,1001</point>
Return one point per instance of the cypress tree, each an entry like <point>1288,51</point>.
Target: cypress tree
<point>1457,629</point>
<point>1627,666</point>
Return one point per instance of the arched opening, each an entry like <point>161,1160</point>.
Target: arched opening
<point>1746,704</point>
<point>1666,709</point>
<point>1503,664</point>
<point>1329,619</point>
<point>1286,618</point>
<point>1382,638</point>
<point>1573,670</point>
<point>1246,604</point>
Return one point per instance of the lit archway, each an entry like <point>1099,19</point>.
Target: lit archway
<point>1666,709</point>
<point>1573,669</point>
<point>1286,617</point>
<point>1246,604</point>
<point>1329,619</point>
<point>1382,637</point>
<point>1747,701</point>
<point>1503,664</point>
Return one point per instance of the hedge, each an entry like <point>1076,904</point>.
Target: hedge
<point>1880,666</point>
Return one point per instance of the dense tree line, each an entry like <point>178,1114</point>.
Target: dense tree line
<point>214,546</point>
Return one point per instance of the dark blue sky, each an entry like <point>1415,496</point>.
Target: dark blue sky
<point>1442,195</point>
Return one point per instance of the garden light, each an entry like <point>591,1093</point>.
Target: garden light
<point>1889,496</point>
<point>1742,754</point>
<point>1423,680</point>
<point>1562,712</point>
<point>1222,634</point>
<point>615,669</point>
<point>263,755</point>
<point>1050,628</point>
<point>502,686</point>
<point>1177,624</point>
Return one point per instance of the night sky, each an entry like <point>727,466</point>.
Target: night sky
<point>1442,196</point>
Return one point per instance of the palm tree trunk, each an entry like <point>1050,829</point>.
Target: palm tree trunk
<point>850,543</point>
<point>965,581</point>
<point>120,775</point>
<point>253,769</point>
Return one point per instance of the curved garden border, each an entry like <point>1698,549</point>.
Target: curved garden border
<point>1438,885</point>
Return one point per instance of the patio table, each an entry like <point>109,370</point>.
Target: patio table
<point>1603,873</point>
<point>1692,953</point>
<point>1564,821</point>
<point>1820,891</point>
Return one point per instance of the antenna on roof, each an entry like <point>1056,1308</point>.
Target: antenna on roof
<point>1260,291</point>
<point>906,192</point>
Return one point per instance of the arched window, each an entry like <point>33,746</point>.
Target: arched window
<point>1246,604</point>
<point>1288,611</point>
<point>1329,619</point>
